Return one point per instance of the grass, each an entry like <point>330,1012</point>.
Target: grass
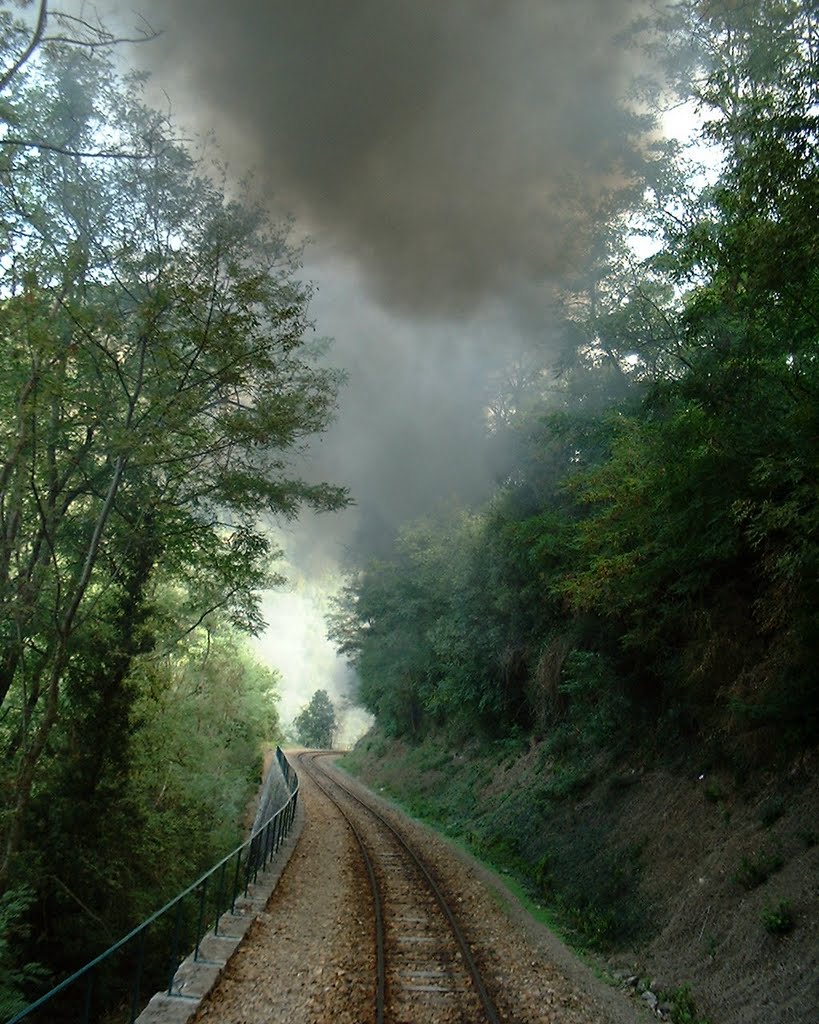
<point>683,1008</point>
<point>755,870</point>
<point>533,833</point>
<point>778,918</point>
<point>772,810</point>
<point>713,792</point>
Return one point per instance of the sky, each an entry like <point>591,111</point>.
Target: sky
<point>446,159</point>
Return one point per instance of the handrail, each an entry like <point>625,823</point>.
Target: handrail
<point>261,846</point>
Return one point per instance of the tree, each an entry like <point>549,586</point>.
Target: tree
<point>155,389</point>
<point>20,41</point>
<point>665,521</point>
<point>316,724</point>
<point>157,802</point>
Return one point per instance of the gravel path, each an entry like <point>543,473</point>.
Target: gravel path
<point>308,958</point>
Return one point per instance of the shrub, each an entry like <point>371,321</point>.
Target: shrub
<point>777,918</point>
<point>713,792</point>
<point>772,810</point>
<point>753,871</point>
<point>15,977</point>
<point>597,707</point>
<point>683,1008</point>
<point>598,897</point>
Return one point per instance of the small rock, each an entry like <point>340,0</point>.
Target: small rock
<point>649,998</point>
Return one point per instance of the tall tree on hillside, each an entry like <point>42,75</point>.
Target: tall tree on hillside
<point>668,530</point>
<point>704,533</point>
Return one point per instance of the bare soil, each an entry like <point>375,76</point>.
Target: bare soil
<point>711,928</point>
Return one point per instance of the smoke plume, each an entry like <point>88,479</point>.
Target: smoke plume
<point>450,148</point>
<point>448,159</point>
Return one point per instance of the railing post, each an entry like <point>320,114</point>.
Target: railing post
<point>138,978</point>
<point>219,897</point>
<point>258,858</point>
<point>274,843</point>
<point>274,837</point>
<point>289,820</point>
<point>249,866</point>
<point>89,989</point>
<point>266,845</point>
<point>235,892</point>
<point>201,919</point>
<point>174,962</point>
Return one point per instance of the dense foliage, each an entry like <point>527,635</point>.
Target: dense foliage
<point>156,383</point>
<point>652,555</point>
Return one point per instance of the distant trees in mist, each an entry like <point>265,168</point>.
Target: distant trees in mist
<point>316,724</point>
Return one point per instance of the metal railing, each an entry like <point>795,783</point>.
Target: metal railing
<point>154,949</point>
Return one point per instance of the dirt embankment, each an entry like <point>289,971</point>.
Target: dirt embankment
<point>695,881</point>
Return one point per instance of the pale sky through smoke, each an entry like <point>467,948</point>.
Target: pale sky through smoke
<point>446,157</point>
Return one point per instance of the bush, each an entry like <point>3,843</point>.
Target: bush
<point>713,793</point>
<point>772,810</point>
<point>598,898</point>
<point>15,977</point>
<point>777,918</point>
<point>683,1007</point>
<point>597,707</point>
<point>753,871</point>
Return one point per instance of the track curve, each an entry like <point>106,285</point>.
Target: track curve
<point>425,968</point>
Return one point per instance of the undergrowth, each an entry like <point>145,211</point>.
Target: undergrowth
<point>683,1008</point>
<point>756,869</point>
<point>778,918</point>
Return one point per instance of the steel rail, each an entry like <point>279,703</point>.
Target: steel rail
<point>378,906</point>
<point>492,1015</point>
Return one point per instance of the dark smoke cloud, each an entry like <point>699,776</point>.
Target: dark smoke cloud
<point>447,157</point>
<point>452,148</point>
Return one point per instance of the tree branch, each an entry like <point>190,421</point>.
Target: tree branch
<point>34,42</point>
<point>99,154</point>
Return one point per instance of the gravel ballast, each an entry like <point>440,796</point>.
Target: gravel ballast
<point>309,956</point>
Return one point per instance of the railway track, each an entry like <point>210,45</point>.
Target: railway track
<point>425,969</point>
